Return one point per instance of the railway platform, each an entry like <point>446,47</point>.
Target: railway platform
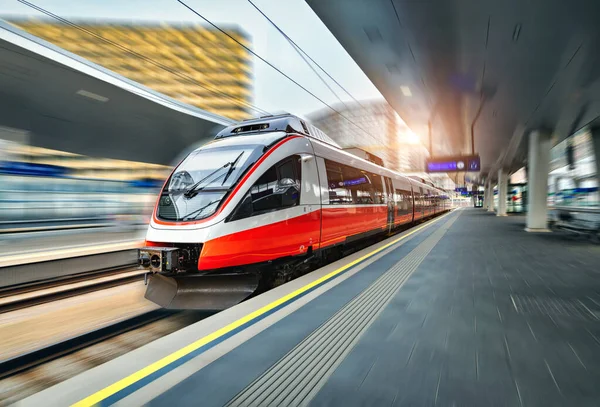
<point>25,247</point>
<point>465,309</point>
<point>26,258</point>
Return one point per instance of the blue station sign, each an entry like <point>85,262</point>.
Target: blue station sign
<point>469,163</point>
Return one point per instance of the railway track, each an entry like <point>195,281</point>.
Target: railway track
<point>38,357</point>
<point>21,296</point>
<point>34,371</point>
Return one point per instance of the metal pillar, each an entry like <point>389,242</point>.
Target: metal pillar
<point>596,142</point>
<point>502,187</point>
<point>537,191</point>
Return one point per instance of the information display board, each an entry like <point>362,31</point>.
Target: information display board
<point>469,163</point>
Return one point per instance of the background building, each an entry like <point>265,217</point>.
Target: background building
<point>388,136</point>
<point>206,68</point>
<point>411,156</point>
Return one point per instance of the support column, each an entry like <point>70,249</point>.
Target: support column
<point>486,205</point>
<point>502,187</point>
<point>491,206</point>
<point>537,191</point>
<point>596,142</point>
<point>485,195</point>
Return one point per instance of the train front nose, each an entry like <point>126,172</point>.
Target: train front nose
<point>208,292</point>
<point>174,281</point>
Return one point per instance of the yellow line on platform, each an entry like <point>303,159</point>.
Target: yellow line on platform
<point>154,367</point>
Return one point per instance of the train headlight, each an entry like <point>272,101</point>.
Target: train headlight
<point>159,259</point>
<point>155,261</point>
<point>144,260</point>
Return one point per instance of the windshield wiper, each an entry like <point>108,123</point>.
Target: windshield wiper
<point>193,190</point>
<point>199,210</point>
<point>232,167</point>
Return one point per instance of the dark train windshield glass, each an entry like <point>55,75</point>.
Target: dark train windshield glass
<point>199,184</point>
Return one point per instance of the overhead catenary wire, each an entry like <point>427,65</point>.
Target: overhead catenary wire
<point>184,4</point>
<point>302,54</point>
<point>143,57</point>
<point>304,57</point>
<point>317,73</point>
<point>298,48</point>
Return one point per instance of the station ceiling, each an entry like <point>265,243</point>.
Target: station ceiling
<point>68,103</point>
<point>534,63</point>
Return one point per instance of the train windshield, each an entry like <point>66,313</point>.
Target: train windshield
<point>201,181</point>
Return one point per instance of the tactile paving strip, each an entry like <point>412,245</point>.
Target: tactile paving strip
<point>296,378</point>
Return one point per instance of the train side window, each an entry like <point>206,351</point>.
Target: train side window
<point>403,202</point>
<point>339,194</point>
<point>409,200</point>
<point>399,200</point>
<point>277,188</point>
<point>349,185</point>
<point>377,189</point>
<point>359,185</point>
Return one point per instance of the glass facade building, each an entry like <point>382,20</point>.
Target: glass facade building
<point>374,127</point>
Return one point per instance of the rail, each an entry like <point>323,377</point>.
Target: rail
<point>38,357</point>
<point>30,294</point>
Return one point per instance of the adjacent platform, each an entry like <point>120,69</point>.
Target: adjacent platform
<point>32,247</point>
<point>467,309</point>
<point>32,257</point>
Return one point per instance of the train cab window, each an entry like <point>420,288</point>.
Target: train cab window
<point>277,188</point>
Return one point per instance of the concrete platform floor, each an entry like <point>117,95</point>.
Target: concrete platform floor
<point>491,316</point>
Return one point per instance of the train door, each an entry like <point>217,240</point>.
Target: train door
<point>323,192</point>
<point>391,206</point>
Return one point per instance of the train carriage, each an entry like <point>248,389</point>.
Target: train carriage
<point>264,199</point>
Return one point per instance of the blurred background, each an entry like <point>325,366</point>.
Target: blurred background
<point>100,99</point>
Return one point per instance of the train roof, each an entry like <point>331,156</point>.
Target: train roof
<point>284,122</point>
<point>291,124</point>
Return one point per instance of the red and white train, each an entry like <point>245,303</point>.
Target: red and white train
<point>263,199</point>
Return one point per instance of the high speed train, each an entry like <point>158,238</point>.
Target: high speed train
<point>262,200</point>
